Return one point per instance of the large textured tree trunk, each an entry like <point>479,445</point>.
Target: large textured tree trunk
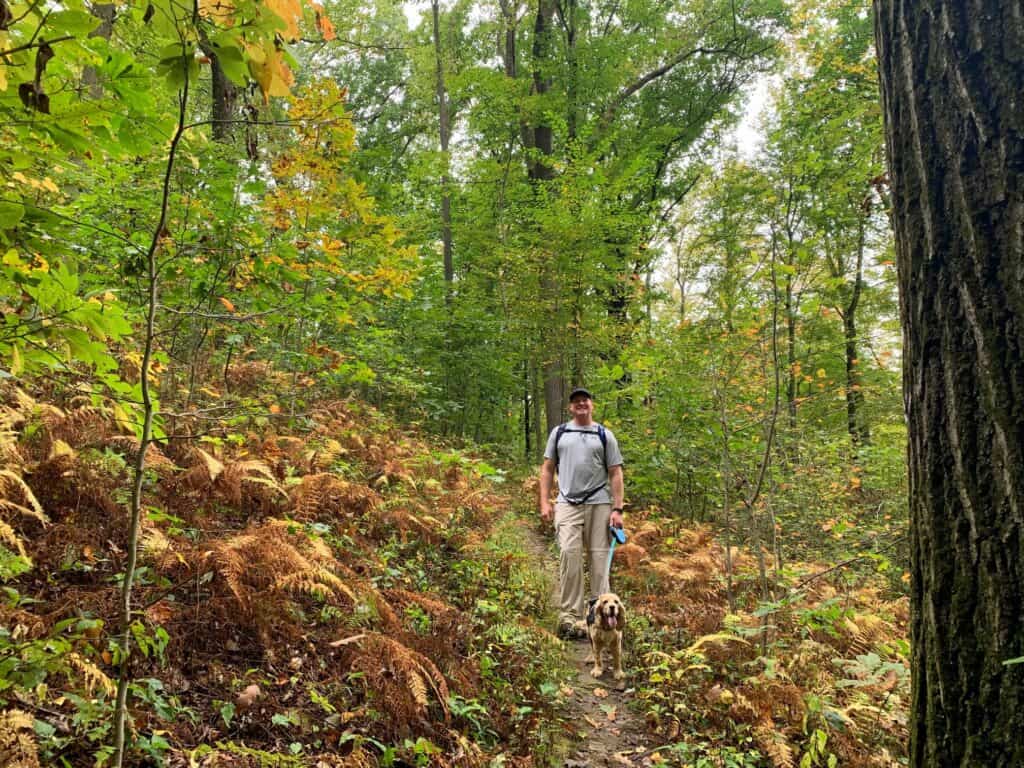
<point>952,75</point>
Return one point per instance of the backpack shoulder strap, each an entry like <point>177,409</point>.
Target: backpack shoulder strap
<point>601,433</point>
<point>558,436</point>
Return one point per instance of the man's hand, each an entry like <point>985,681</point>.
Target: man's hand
<point>615,521</point>
<point>547,511</point>
<point>547,476</point>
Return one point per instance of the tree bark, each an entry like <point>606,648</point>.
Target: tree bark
<point>445,132</point>
<point>952,74</point>
<point>107,14</point>
<point>541,171</point>
<point>224,98</point>
<point>856,421</point>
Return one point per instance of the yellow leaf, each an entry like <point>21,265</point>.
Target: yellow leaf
<point>270,71</point>
<point>227,304</point>
<point>289,11</point>
<point>17,364</point>
<point>221,11</point>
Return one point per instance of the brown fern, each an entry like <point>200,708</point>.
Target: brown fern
<point>402,678</point>
<point>776,746</point>
<point>95,678</point>
<point>17,497</point>
<point>275,557</point>
<point>17,741</point>
<point>128,446</point>
<point>325,496</point>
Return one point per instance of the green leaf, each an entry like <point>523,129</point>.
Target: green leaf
<point>10,214</point>
<point>77,23</point>
<point>69,140</point>
<point>233,63</point>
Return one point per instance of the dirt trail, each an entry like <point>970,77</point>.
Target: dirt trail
<point>608,733</point>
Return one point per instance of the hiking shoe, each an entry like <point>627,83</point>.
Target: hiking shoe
<point>569,631</point>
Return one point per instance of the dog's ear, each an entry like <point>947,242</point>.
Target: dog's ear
<point>620,610</point>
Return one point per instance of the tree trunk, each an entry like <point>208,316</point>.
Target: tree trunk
<point>951,76</point>
<point>107,14</point>
<point>791,379</point>
<point>445,132</point>
<point>541,171</point>
<point>856,423</point>
<point>225,98</point>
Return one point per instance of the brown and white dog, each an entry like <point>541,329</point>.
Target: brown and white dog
<point>605,621</point>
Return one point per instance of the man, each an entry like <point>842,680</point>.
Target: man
<point>590,493</point>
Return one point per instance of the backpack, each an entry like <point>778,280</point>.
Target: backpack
<point>602,435</point>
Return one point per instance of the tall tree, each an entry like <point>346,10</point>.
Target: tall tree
<point>951,76</point>
<point>444,130</point>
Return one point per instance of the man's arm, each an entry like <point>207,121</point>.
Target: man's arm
<point>618,488</point>
<point>547,476</point>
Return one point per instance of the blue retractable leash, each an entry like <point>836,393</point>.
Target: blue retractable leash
<point>618,537</point>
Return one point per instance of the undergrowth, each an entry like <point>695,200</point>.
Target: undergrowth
<point>337,594</point>
<point>814,674</point>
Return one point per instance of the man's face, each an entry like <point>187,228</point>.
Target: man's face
<point>581,407</point>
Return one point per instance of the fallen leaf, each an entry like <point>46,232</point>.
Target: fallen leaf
<point>248,697</point>
<point>611,713</point>
<point>601,693</point>
<point>592,721</point>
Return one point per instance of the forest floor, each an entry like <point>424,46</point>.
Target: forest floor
<point>605,729</point>
<point>353,595</point>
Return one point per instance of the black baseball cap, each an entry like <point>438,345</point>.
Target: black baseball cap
<point>580,391</point>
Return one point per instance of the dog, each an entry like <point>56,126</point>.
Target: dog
<point>605,621</point>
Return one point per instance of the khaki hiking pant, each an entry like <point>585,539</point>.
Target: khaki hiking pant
<point>578,528</point>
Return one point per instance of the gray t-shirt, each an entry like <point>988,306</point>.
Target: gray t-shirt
<point>581,461</point>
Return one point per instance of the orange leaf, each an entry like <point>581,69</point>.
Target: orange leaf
<point>323,23</point>
<point>227,304</point>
